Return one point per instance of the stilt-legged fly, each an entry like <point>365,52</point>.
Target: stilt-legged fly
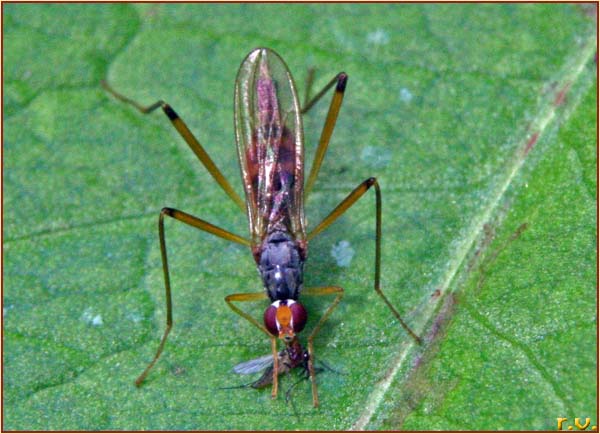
<point>270,144</point>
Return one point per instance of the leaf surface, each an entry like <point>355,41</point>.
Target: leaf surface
<point>442,105</point>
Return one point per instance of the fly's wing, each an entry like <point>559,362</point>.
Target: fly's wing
<point>253,366</point>
<point>268,128</point>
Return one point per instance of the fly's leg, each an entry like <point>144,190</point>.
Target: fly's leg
<point>340,81</point>
<point>199,224</point>
<point>255,296</point>
<point>341,209</point>
<point>325,290</point>
<point>189,138</point>
<point>308,84</point>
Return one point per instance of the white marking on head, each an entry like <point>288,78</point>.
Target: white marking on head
<point>276,305</point>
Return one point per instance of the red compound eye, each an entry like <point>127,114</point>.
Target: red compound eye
<point>298,316</point>
<point>270,320</point>
<point>280,314</point>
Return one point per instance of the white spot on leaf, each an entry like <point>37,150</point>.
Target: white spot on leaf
<point>89,317</point>
<point>135,317</point>
<point>406,95</point>
<point>5,309</point>
<point>343,253</point>
<point>376,156</point>
<point>378,37</point>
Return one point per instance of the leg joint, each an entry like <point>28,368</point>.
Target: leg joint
<point>166,211</point>
<point>342,81</point>
<point>169,112</point>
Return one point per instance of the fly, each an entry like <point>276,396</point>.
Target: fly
<point>288,359</point>
<point>293,356</point>
<point>270,145</point>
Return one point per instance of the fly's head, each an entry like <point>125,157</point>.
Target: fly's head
<point>280,265</point>
<point>285,318</point>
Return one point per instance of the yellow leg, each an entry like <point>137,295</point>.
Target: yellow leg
<point>356,194</point>
<point>256,296</point>
<point>324,290</point>
<point>189,138</point>
<point>198,224</point>
<point>340,81</point>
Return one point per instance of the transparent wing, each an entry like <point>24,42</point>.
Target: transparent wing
<point>253,366</point>
<point>268,128</point>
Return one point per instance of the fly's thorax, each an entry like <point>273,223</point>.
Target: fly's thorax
<point>280,262</point>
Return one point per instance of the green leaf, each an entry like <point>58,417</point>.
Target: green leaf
<point>476,120</point>
<point>519,345</point>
